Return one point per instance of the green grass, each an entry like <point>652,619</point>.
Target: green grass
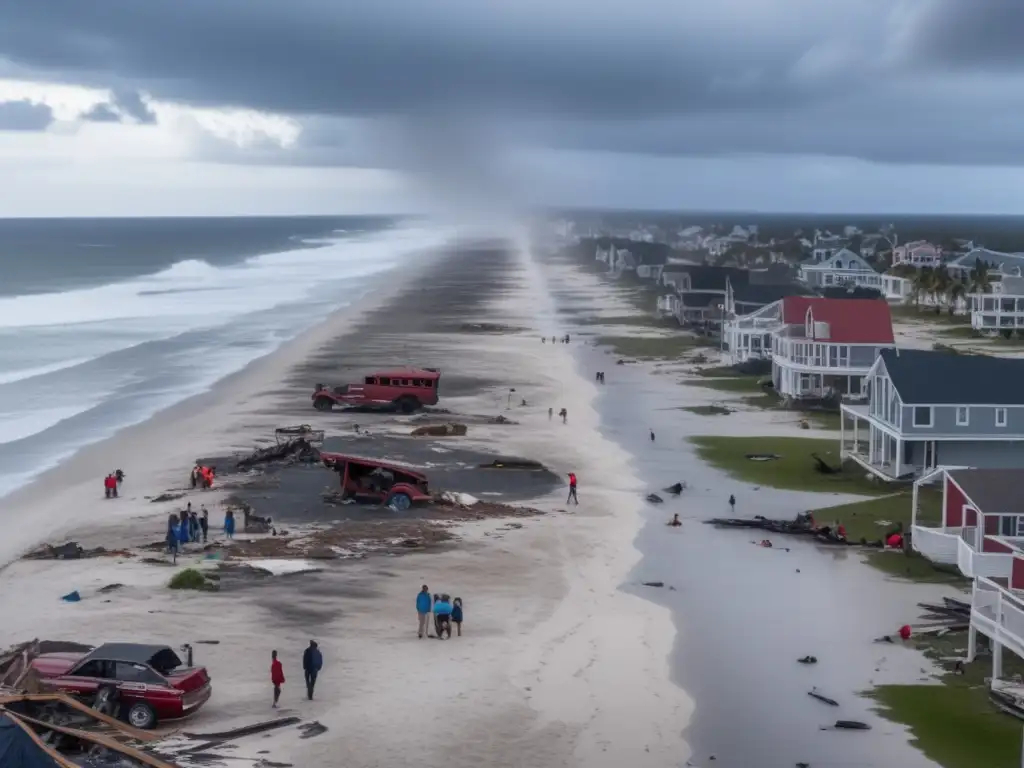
<point>953,724</point>
<point>795,470</point>
<point>659,347</point>
<point>191,578</point>
<point>862,518</point>
<point>708,410</point>
<point>722,371</point>
<point>914,567</point>
<point>960,332</point>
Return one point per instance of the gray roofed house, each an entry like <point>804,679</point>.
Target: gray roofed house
<point>994,491</point>
<point>930,409</point>
<point>1005,262</point>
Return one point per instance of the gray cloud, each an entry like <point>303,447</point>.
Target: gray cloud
<point>24,116</point>
<point>434,88</point>
<point>123,104</point>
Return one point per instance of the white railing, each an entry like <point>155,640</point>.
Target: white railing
<point>999,614</point>
<point>973,564</point>
<point>938,546</point>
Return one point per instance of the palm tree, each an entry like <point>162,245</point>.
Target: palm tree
<point>979,280</point>
<point>954,292</point>
<point>938,284</point>
<point>920,284</point>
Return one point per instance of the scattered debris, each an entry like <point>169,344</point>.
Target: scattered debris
<point>294,449</point>
<point>456,499</point>
<point>72,597</point>
<point>808,660</point>
<point>309,730</point>
<point>820,697</point>
<point>305,431</point>
<point>282,567</point>
<point>823,467</point>
<point>654,498</point>
<point>169,496</point>
<point>850,725</point>
<point>252,523</point>
<point>653,583</point>
<point>763,456</point>
<point>440,430</point>
<point>676,489</point>
<point>499,419</point>
<point>247,730</point>
<point>489,328</point>
<point>514,463</point>
<point>109,588</point>
<point>68,551</point>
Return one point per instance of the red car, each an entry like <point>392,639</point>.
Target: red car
<point>405,389</point>
<point>150,681</point>
<point>369,481</point>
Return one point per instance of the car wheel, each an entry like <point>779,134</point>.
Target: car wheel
<point>400,502</point>
<point>142,716</point>
<point>408,404</point>
<point>323,403</point>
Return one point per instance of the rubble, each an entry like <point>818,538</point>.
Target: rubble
<point>168,496</point>
<point>71,551</point>
<point>440,430</point>
<point>294,449</point>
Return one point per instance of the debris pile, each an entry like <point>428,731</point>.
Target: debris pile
<point>294,449</point>
<point>71,550</point>
<point>440,430</point>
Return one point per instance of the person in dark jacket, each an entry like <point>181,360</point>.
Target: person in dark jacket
<point>312,662</point>
<point>204,522</point>
<point>423,605</point>
<point>457,614</point>
<point>276,676</point>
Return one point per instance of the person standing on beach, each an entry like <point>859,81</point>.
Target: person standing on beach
<point>423,606</point>
<point>457,615</point>
<point>572,489</point>
<point>652,435</point>
<point>276,676</point>
<point>732,502</point>
<point>229,524</point>
<point>551,413</point>
<point>443,617</point>
<point>312,663</point>
<point>172,537</point>
<point>204,522</point>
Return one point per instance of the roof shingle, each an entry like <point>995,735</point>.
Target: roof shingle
<point>850,321</point>
<point>925,377</point>
<point>995,491</point>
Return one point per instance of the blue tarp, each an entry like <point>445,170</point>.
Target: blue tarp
<point>17,750</point>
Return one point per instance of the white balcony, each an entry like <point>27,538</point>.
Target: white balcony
<point>998,613</point>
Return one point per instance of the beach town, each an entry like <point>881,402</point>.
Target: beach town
<point>669,481</point>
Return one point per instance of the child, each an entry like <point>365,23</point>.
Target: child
<point>457,615</point>
<point>276,676</point>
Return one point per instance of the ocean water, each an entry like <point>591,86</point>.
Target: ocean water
<point>105,322</point>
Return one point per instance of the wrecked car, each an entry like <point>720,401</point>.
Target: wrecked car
<point>149,682</point>
<point>405,390</point>
<point>369,481</point>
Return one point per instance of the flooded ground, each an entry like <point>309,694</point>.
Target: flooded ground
<point>745,614</point>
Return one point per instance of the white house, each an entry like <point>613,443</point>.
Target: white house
<point>844,267</point>
<point>827,346</point>
<point>918,253</point>
<point>897,289</point>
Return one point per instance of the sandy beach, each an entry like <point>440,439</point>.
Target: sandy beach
<point>557,666</point>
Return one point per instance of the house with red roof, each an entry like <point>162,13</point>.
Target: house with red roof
<point>823,347</point>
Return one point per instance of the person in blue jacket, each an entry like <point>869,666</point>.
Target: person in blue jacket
<point>312,663</point>
<point>229,524</point>
<point>423,604</point>
<point>443,616</point>
<point>184,529</point>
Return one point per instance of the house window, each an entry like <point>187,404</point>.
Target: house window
<point>1000,417</point>
<point>963,415</point>
<point>922,416</point>
<point>1008,525</point>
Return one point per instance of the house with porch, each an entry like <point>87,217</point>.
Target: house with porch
<point>918,253</point>
<point>844,267</point>
<point>1002,308</point>
<point>824,347</point>
<point>928,409</point>
<point>981,532</point>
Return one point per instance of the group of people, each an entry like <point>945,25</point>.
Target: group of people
<point>599,377</point>
<point>188,526</point>
<point>445,611</point>
<point>555,340</point>
<point>111,483</point>
<point>312,663</point>
<point>202,476</point>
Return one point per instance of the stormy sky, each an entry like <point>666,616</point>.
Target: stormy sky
<point>260,106</point>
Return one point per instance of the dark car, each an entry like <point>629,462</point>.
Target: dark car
<point>150,681</point>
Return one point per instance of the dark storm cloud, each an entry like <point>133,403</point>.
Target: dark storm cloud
<point>24,116</point>
<point>970,34</point>
<point>434,86</point>
<point>101,113</point>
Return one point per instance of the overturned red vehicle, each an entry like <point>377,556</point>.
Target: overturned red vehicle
<point>369,481</point>
<point>406,390</point>
<point>149,681</point>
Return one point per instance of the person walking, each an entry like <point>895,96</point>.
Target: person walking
<point>572,489</point>
<point>732,502</point>
<point>229,524</point>
<point>457,615</point>
<point>423,606</point>
<point>276,676</point>
<point>204,522</point>
<point>652,435</point>
<point>172,537</point>
<point>312,662</point>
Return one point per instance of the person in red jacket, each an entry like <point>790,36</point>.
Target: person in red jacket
<point>572,489</point>
<point>276,676</point>
<point>110,486</point>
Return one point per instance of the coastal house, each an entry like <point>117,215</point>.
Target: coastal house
<point>918,253</point>
<point>1006,263</point>
<point>928,409</point>
<point>897,289</point>
<point>843,267</point>
<point>746,298</point>
<point>826,245</point>
<point>749,336</point>
<point>981,533</point>
<point>1001,309</point>
<point>825,347</point>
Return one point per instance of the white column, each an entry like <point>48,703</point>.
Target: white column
<point>871,444</point>
<point>842,432</point>
<point>997,660</point>
<point>913,508</point>
<point>856,435</point>
<point>899,456</point>
<point>972,643</point>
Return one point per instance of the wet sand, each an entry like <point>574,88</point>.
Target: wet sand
<point>745,614</point>
<point>558,666</point>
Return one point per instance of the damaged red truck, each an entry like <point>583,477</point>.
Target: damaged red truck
<point>369,481</point>
<point>404,389</point>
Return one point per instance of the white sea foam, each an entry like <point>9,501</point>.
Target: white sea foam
<point>78,365</point>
